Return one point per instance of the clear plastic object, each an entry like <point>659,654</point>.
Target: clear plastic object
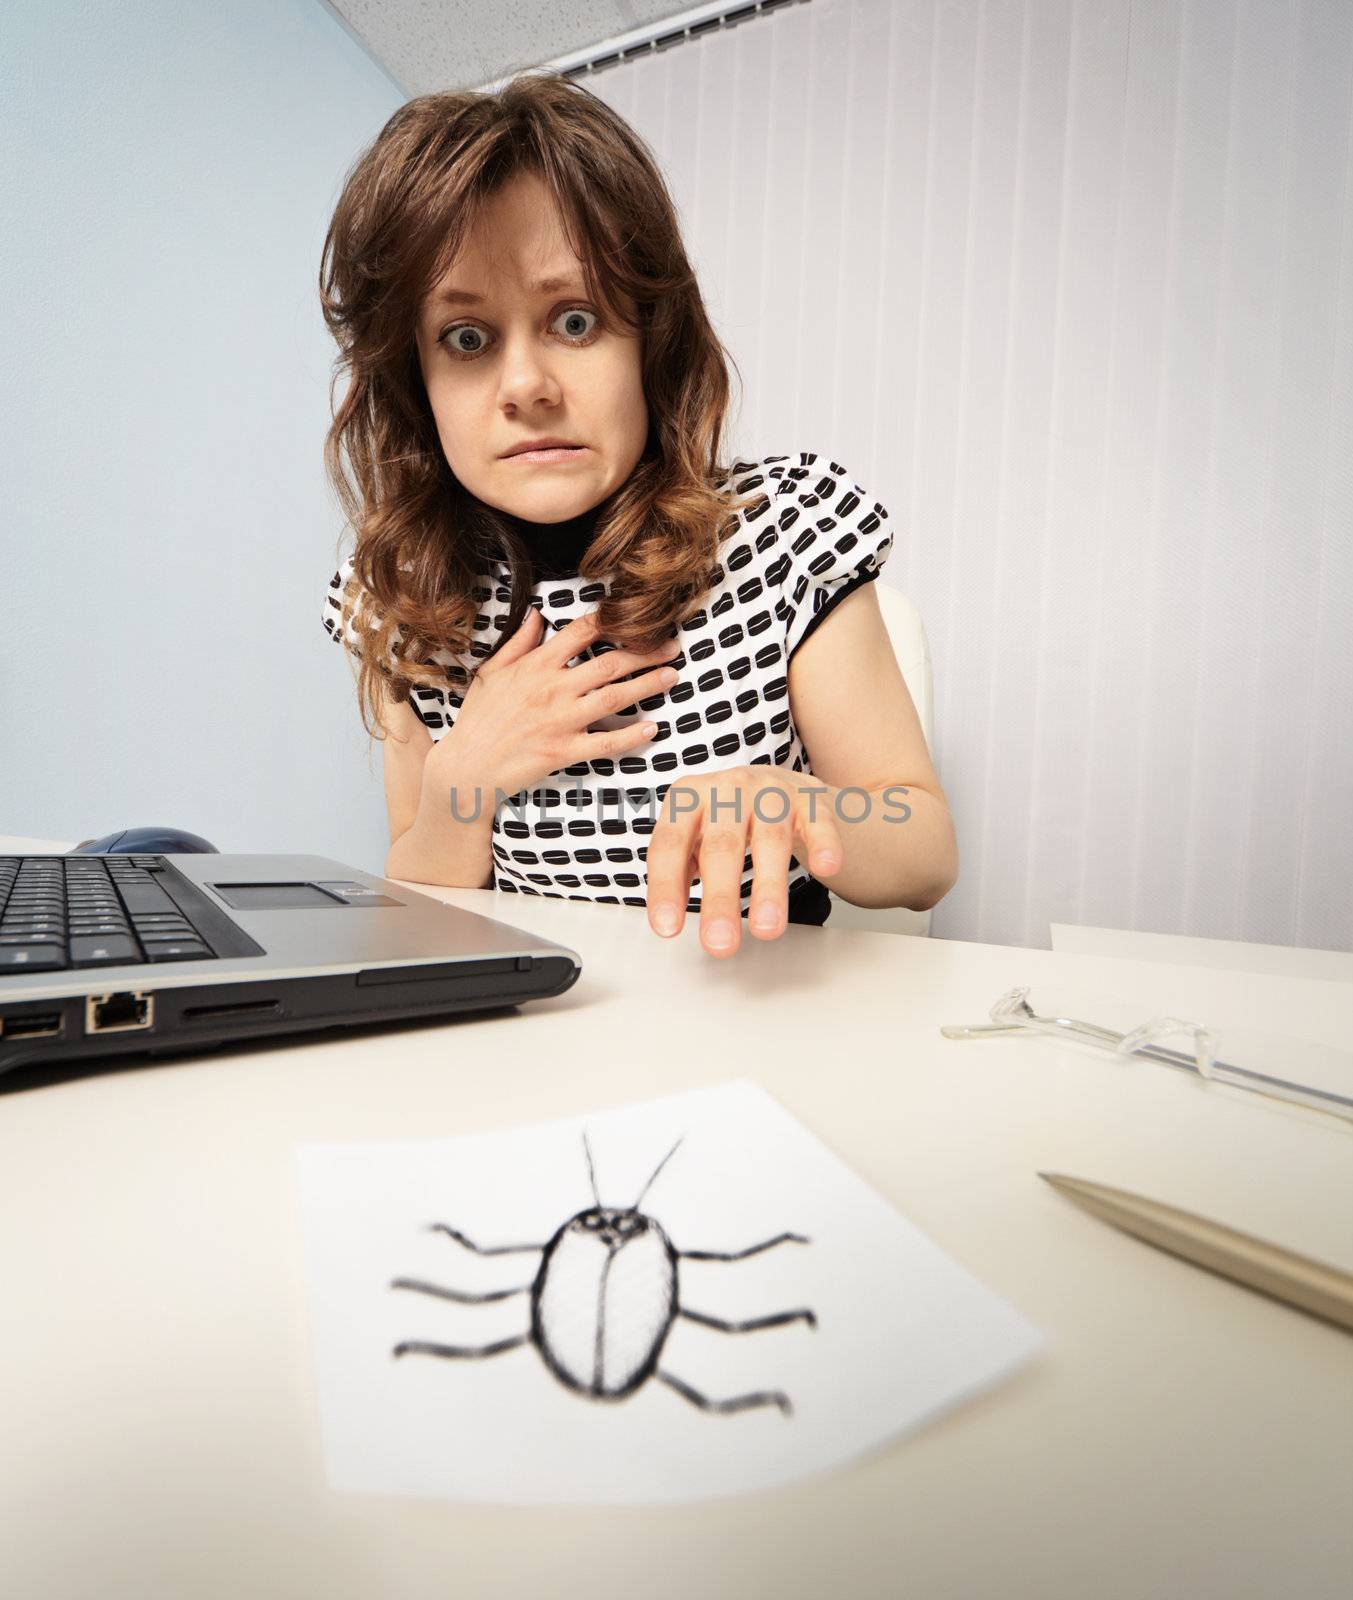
<point>1012,1013</point>
<point>1204,1050</point>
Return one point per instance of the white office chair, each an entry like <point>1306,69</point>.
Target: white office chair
<point>910,646</point>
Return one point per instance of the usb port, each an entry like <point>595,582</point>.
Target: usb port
<point>36,1025</point>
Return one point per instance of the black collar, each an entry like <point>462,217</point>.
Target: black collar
<point>556,548</point>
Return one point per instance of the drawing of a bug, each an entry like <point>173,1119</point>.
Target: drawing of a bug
<point>603,1302</point>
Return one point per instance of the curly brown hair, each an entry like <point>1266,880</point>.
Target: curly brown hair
<point>422,539</point>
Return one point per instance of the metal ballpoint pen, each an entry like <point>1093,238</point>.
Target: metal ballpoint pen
<point>1310,1285</point>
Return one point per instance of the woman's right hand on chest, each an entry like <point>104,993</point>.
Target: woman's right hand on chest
<point>527,712</point>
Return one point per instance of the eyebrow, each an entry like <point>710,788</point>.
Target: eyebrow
<point>457,297</point>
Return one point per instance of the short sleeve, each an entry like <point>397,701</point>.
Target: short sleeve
<point>435,707</point>
<point>345,592</point>
<point>343,631</point>
<point>837,543</point>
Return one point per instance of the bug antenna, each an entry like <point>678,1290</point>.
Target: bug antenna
<point>656,1170</point>
<point>591,1171</point>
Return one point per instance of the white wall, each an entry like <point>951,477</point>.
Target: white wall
<point>1069,288</point>
<point>168,531</point>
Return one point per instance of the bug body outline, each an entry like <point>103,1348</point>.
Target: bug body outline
<point>584,1263</point>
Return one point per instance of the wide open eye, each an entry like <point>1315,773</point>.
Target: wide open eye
<point>467,341</point>
<point>459,340</point>
<point>571,317</point>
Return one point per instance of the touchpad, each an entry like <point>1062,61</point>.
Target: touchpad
<point>274,896</point>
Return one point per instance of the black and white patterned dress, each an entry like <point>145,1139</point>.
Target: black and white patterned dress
<point>582,833</point>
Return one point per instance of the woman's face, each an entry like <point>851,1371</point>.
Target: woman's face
<point>527,362</point>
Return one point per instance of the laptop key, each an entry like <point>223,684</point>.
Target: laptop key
<point>186,950</point>
<point>31,958</point>
<point>143,897</point>
<point>103,951</point>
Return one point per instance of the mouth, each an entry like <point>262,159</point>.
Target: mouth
<point>550,454</point>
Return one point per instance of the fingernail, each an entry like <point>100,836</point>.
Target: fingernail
<point>719,934</point>
<point>828,861</point>
<point>765,917</point>
<point>665,919</point>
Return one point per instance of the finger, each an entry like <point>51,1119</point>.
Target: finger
<point>610,742</point>
<point>772,846</point>
<point>598,670</point>
<point>522,638</point>
<point>614,697</point>
<point>822,851</point>
<point>571,640</point>
<point>723,849</point>
<point>724,823</point>
<point>670,858</point>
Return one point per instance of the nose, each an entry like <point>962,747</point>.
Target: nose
<point>527,378</point>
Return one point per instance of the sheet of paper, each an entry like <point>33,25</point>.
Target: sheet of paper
<point>605,1375</point>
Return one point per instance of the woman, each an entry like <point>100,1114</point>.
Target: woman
<point>598,666</point>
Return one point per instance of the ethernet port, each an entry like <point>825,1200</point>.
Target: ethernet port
<point>119,1013</point>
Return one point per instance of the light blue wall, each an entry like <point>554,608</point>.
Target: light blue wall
<point>170,169</point>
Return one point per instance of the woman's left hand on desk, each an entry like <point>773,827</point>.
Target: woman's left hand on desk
<point>704,827</point>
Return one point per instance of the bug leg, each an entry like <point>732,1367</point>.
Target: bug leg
<point>422,1348</point>
<point>480,1249</point>
<point>777,1321</point>
<point>741,1402</point>
<point>741,1255</point>
<point>457,1294</point>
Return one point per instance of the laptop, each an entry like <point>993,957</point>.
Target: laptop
<point>114,955</point>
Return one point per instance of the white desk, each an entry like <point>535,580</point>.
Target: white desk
<point>1181,1436</point>
<point>1335,966</point>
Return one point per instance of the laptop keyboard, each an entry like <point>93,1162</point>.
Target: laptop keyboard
<point>90,911</point>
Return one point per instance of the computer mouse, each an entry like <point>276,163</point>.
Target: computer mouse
<point>146,841</point>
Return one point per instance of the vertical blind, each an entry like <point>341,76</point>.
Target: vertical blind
<point>1069,288</point>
